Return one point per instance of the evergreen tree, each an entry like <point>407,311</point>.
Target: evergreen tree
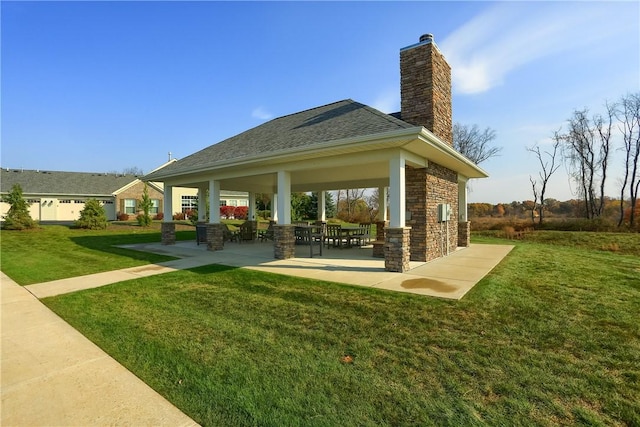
<point>145,204</point>
<point>18,217</point>
<point>92,216</point>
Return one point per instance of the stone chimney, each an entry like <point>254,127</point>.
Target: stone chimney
<point>425,88</point>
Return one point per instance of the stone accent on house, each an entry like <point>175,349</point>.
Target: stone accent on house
<point>425,87</point>
<point>215,236</point>
<point>425,189</point>
<point>396,249</point>
<point>464,234</point>
<point>284,241</point>
<point>135,192</point>
<point>168,233</point>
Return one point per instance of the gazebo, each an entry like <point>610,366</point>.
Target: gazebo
<point>342,145</point>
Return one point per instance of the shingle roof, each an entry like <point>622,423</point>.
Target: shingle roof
<point>71,183</point>
<point>339,120</point>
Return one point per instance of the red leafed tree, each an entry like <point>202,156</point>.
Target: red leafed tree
<point>241,212</point>
<point>227,211</point>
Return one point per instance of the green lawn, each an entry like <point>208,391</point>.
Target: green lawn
<point>56,252</point>
<point>550,337</point>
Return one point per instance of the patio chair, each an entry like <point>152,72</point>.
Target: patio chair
<point>268,234</point>
<point>231,235</point>
<point>363,236</point>
<point>248,231</point>
<point>334,234</point>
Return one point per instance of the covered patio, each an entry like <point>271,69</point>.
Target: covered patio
<point>378,160</point>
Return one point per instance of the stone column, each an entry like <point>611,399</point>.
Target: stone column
<point>284,241</point>
<point>168,233</point>
<point>464,234</point>
<point>378,244</point>
<point>215,237</point>
<point>396,249</point>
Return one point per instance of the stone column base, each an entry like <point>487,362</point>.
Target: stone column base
<point>215,237</point>
<point>396,249</point>
<point>464,234</point>
<point>380,226</point>
<point>168,233</point>
<point>284,241</point>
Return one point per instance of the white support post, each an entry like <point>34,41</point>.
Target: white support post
<point>274,207</point>
<point>284,197</point>
<point>214,201</point>
<point>251,213</point>
<point>202,204</point>
<point>167,204</point>
<point>462,198</point>
<point>382,203</point>
<point>322,206</point>
<point>397,191</point>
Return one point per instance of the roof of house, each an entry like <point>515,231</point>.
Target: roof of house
<point>64,183</point>
<point>336,121</point>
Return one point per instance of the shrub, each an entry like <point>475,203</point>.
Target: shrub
<point>178,216</point>
<point>192,215</point>
<point>159,216</point>
<point>18,217</point>
<point>123,217</point>
<point>241,212</point>
<point>92,216</point>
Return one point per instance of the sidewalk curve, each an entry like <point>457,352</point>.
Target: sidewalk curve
<point>53,375</point>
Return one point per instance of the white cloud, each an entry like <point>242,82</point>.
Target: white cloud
<point>387,101</point>
<point>509,35</point>
<point>261,114</point>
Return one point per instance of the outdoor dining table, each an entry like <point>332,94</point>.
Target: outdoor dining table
<point>351,230</point>
<point>311,233</point>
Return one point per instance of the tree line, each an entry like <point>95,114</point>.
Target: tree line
<point>586,145</point>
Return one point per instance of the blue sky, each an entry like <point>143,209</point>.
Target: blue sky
<point>102,86</point>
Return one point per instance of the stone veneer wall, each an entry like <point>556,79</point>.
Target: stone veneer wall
<point>396,249</point>
<point>215,237</point>
<point>284,241</point>
<point>464,234</point>
<point>425,86</point>
<point>168,233</point>
<point>425,189</point>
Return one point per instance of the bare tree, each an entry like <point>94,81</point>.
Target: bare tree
<point>132,170</point>
<point>474,143</point>
<point>534,188</point>
<point>548,164</point>
<point>587,150</point>
<point>628,114</point>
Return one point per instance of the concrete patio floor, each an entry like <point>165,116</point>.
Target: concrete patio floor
<point>448,277</point>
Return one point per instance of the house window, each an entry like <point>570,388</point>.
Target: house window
<point>155,206</point>
<point>79,201</point>
<point>65,201</point>
<point>130,206</point>
<point>223,203</point>
<point>243,202</point>
<point>189,203</point>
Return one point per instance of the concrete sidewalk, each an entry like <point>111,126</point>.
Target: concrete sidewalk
<point>53,375</point>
